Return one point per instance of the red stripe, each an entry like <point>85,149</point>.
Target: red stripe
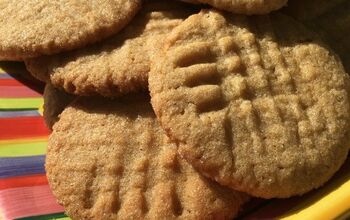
<point>10,82</point>
<point>23,181</point>
<point>17,92</point>
<point>22,127</point>
<point>28,201</point>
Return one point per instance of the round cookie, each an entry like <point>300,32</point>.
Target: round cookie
<point>118,65</point>
<point>247,7</point>
<point>55,101</point>
<point>111,160</point>
<point>256,103</point>
<point>29,28</point>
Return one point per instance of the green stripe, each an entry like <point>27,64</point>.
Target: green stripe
<point>58,216</point>
<point>20,103</point>
<point>23,149</point>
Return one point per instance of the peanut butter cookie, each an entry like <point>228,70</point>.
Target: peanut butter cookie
<point>118,65</point>
<point>111,160</point>
<point>256,103</point>
<point>29,28</point>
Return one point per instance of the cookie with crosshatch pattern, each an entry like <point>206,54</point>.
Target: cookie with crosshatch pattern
<point>257,103</point>
<point>118,65</point>
<point>247,7</point>
<point>110,159</point>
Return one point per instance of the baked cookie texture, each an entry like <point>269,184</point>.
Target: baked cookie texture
<point>119,65</point>
<point>55,101</point>
<point>109,159</point>
<point>247,7</point>
<point>29,28</point>
<point>256,103</point>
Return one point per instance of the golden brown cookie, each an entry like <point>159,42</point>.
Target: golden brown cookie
<point>29,28</point>
<point>55,101</point>
<point>118,65</point>
<point>256,103</point>
<point>111,160</point>
<point>247,7</point>
<point>310,9</point>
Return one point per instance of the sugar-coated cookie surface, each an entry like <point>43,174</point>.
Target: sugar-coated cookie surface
<point>256,103</point>
<point>118,65</point>
<point>55,101</point>
<point>111,160</point>
<point>247,7</point>
<point>29,28</point>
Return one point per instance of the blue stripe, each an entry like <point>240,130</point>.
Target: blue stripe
<point>5,76</point>
<point>21,166</point>
<point>12,114</point>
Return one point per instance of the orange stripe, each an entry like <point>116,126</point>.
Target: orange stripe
<point>23,181</point>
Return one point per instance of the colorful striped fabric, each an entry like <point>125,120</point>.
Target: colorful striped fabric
<point>24,190</point>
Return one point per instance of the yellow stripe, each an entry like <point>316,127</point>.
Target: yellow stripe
<point>41,109</point>
<point>20,103</point>
<point>23,147</point>
<point>31,148</point>
<point>24,140</point>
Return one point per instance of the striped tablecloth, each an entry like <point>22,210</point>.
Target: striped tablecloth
<point>24,191</point>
